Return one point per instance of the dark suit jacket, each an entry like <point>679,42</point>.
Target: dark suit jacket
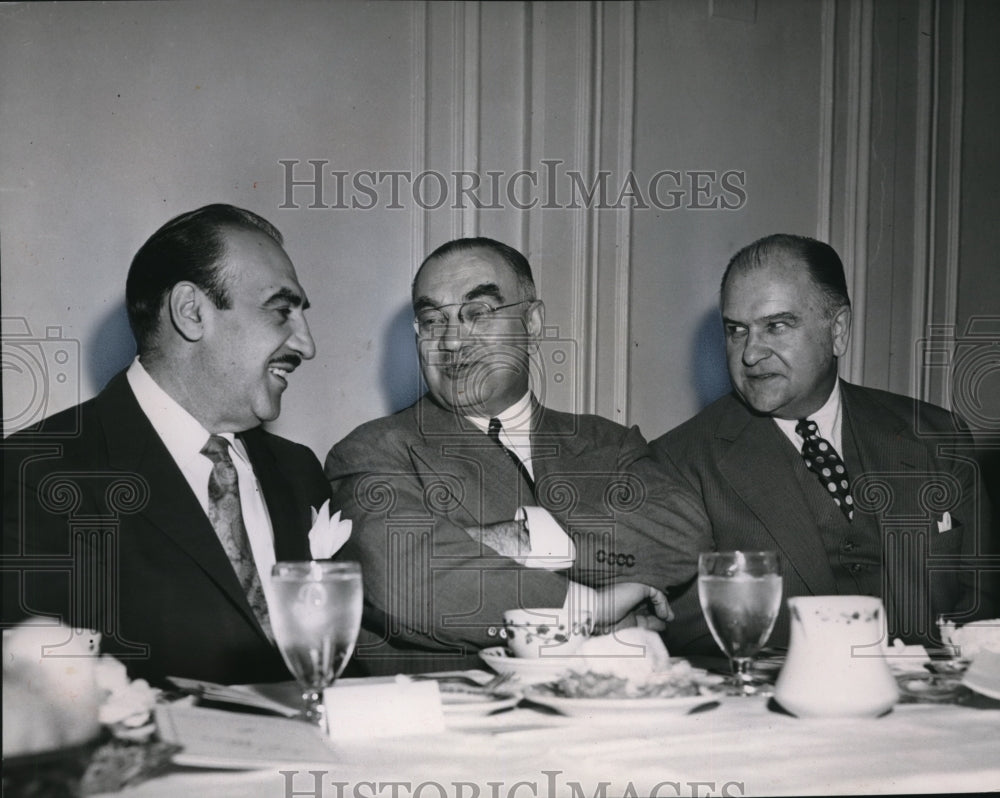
<point>413,482</point>
<point>916,462</point>
<point>102,530</point>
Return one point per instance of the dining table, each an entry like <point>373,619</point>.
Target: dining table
<point>722,746</point>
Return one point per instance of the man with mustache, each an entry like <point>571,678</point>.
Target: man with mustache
<point>478,499</point>
<point>861,491</point>
<point>154,512</point>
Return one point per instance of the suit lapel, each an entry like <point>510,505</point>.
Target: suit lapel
<point>172,508</point>
<point>553,441</point>
<point>288,520</point>
<point>454,454</point>
<point>883,439</point>
<point>773,494</point>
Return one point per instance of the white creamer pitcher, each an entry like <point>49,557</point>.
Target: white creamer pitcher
<point>835,666</point>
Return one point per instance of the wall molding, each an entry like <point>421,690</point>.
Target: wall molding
<point>418,125</point>
<point>620,409</point>
<point>940,309</point>
<point>584,267</point>
<point>858,155</point>
<point>828,47</point>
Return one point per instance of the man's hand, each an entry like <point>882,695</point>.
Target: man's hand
<point>507,538</point>
<point>631,604</point>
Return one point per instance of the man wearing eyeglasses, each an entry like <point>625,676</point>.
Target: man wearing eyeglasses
<point>477,499</point>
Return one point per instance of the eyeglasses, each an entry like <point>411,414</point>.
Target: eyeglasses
<point>432,323</point>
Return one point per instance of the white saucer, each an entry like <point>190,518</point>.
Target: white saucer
<point>528,671</point>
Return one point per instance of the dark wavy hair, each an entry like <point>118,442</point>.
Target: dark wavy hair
<point>190,247</point>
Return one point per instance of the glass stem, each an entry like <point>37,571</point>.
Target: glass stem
<point>742,674</point>
<point>314,711</point>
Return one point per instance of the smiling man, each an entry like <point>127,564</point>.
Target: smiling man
<point>478,499</point>
<point>154,512</point>
<point>860,491</point>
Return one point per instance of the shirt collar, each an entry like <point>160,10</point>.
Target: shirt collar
<point>180,432</point>
<point>828,419</point>
<point>516,419</point>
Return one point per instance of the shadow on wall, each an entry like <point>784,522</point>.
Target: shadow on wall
<point>708,359</point>
<point>399,372</point>
<point>111,348</point>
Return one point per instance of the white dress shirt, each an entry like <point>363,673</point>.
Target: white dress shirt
<point>184,438</point>
<point>829,418</point>
<point>515,432</point>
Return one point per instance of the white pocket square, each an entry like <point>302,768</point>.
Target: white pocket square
<point>328,534</point>
<point>944,524</point>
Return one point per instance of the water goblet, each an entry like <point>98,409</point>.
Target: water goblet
<point>740,594</point>
<point>315,613</point>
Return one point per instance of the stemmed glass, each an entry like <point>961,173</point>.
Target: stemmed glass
<point>315,613</point>
<point>740,594</point>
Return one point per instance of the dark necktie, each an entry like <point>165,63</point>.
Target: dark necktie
<point>226,515</point>
<point>822,459</point>
<point>494,433</point>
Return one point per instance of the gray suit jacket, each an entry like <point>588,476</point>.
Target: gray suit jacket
<point>413,482</point>
<point>916,462</point>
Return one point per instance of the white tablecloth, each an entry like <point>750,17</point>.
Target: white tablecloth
<point>740,748</point>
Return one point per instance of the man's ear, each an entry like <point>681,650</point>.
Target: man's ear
<point>186,305</point>
<point>840,327</point>
<point>535,322</point>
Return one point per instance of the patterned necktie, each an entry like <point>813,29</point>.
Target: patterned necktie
<point>822,459</point>
<point>494,433</point>
<point>226,515</point>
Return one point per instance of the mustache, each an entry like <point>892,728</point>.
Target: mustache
<point>293,361</point>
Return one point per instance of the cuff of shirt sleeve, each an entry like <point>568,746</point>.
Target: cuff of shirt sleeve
<point>551,548</point>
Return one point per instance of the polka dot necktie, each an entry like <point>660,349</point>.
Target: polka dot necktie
<point>226,514</point>
<point>494,433</point>
<point>822,459</point>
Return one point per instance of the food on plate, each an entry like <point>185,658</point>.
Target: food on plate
<point>680,679</point>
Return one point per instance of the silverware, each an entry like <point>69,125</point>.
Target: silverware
<point>457,678</point>
<point>545,709</point>
<point>708,705</point>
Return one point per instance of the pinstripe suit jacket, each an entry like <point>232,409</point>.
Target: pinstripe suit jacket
<point>413,482</point>
<point>915,462</point>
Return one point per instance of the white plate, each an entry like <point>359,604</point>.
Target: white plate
<point>983,674</point>
<point>979,687</point>
<point>588,707</point>
<point>527,671</point>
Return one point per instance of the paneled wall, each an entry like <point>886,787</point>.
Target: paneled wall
<point>628,148</point>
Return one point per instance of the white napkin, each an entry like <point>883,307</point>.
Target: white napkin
<point>328,534</point>
<point>631,653</point>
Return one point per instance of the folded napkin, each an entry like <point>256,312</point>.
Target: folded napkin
<point>328,534</point>
<point>631,653</point>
